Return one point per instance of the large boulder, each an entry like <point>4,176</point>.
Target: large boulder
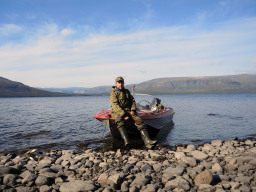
<point>7,170</point>
<point>77,186</point>
<point>199,155</point>
<point>178,182</point>
<point>140,180</point>
<point>171,172</point>
<point>204,177</point>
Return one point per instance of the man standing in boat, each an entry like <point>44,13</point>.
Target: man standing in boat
<point>123,109</point>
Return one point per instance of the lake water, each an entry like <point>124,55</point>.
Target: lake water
<point>67,122</point>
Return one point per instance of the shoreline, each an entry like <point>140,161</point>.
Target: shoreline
<point>218,165</point>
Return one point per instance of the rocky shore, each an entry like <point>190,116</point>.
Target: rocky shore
<point>217,166</point>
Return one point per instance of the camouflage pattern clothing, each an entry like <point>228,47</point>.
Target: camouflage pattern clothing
<point>122,103</point>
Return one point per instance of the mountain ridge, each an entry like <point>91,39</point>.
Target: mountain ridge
<point>9,88</point>
<point>186,85</point>
<point>165,85</point>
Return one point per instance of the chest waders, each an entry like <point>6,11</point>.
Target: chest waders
<point>124,103</point>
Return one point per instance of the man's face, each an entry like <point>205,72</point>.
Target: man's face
<point>120,84</point>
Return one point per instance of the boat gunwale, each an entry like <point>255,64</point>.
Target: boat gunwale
<point>143,115</point>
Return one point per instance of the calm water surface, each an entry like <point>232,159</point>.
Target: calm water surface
<point>65,122</point>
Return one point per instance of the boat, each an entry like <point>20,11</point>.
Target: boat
<point>157,117</point>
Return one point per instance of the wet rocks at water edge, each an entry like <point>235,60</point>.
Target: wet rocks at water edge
<point>217,166</point>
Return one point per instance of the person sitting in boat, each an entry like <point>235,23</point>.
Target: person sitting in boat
<point>123,109</point>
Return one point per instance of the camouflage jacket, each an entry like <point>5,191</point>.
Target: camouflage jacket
<point>122,102</point>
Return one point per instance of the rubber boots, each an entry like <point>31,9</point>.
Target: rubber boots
<point>148,142</point>
<point>124,136</point>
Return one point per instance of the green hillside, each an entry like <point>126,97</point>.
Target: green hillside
<point>169,85</point>
<point>10,88</point>
<point>185,85</point>
<point>214,84</point>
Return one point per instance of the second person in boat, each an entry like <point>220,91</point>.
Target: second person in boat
<point>123,109</point>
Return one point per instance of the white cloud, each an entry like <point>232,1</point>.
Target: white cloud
<point>47,59</point>
<point>66,32</point>
<point>7,29</point>
<point>254,62</point>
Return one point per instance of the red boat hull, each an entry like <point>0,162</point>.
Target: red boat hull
<point>161,120</point>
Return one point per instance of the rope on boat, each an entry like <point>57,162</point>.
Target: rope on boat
<point>103,133</point>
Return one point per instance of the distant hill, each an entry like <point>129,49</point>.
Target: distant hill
<point>169,85</point>
<point>185,85</point>
<point>75,90</point>
<point>10,88</point>
<point>213,84</point>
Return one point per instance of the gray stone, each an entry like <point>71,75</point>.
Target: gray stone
<point>224,178</point>
<point>146,167</point>
<point>178,190</point>
<point>191,147</point>
<point>29,177</point>
<point>178,182</point>
<point>45,188</point>
<point>77,186</point>
<point>24,189</point>
<point>65,163</point>
<point>226,186</point>
<point>191,161</point>
<point>243,179</point>
<point>19,159</point>
<point>9,178</point>
<point>192,172</point>
<point>7,170</point>
<point>9,190</point>
<point>58,180</point>
<point>67,152</point>
<point>206,188</point>
<point>216,167</point>
<point>253,162</point>
<point>107,190</point>
<point>171,172</point>
<point>232,161</point>
<point>114,180</point>
<point>45,170</point>
<point>125,186</point>
<point>140,180</point>
<point>204,177</point>
<point>249,142</point>
<point>157,167</point>
<point>41,180</point>
<point>25,173</point>
<point>127,168</point>
<point>49,175</point>
<point>217,143</point>
<point>207,165</point>
<point>245,188</point>
<point>235,185</point>
<point>102,180</point>
<point>134,189</point>
<point>89,164</point>
<point>178,155</point>
<point>246,159</point>
<point>56,168</point>
<point>207,147</point>
<point>150,188</point>
<point>199,155</point>
<point>245,168</point>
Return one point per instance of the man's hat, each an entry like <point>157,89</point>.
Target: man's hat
<point>119,79</point>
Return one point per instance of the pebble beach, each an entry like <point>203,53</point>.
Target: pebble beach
<point>216,166</point>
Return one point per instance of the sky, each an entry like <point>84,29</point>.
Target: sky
<point>88,43</point>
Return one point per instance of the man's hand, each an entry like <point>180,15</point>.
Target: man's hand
<point>132,113</point>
